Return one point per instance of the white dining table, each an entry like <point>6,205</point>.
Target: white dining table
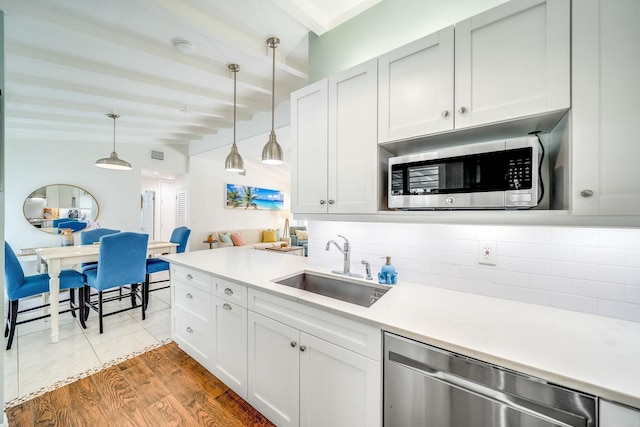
<point>58,257</point>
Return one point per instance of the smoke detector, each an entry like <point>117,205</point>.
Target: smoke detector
<point>184,46</point>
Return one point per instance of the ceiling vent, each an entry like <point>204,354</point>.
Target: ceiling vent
<point>157,155</point>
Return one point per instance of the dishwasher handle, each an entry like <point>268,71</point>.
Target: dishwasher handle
<point>537,410</point>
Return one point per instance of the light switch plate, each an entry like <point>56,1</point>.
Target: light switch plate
<point>487,252</point>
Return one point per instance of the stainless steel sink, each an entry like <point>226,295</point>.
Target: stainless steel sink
<point>363,294</point>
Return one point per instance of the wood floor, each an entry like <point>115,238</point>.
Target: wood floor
<point>163,387</point>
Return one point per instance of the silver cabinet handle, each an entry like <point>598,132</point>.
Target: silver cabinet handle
<point>462,110</point>
<point>226,306</point>
<point>190,277</point>
<point>293,343</point>
<point>189,329</point>
<point>228,291</point>
<point>586,193</point>
<point>322,202</point>
<point>445,113</point>
<point>189,296</point>
<point>331,201</point>
<point>450,200</point>
<point>302,348</point>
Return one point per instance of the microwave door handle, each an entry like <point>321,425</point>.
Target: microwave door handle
<point>539,411</point>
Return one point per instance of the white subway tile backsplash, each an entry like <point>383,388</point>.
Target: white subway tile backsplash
<point>593,270</point>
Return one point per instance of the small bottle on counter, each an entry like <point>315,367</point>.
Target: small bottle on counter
<point>387,275</point>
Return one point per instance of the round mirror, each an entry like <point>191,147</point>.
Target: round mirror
<point>59,206</point>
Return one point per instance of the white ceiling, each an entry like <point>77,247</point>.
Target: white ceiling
<point>70,62</point>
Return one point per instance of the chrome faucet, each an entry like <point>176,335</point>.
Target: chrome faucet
<point>346,251</point>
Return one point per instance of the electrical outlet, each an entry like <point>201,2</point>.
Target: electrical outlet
<point>487,252</point>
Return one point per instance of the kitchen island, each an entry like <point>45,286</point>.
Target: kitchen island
<point>594,354</point>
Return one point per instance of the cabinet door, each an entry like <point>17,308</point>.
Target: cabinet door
<point>309,163</point>
<point>274,370</point>
<point>614,415</point>
<point>229,345</point>
<point>605,83</point>
<point>512,61</point>
<point>337,387</point>
<point>353,146</point>
<point>415,88</point>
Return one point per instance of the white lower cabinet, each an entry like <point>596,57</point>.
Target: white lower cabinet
<point>615,415</point>
<point>298,379</point>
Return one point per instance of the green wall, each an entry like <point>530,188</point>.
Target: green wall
<point>389,24</point>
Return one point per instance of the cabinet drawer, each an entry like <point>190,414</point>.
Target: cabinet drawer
<point>191,277</point>
<point>193,335</point>
<point>192,300</point>
<point>350,334</point>
<point>230,291</point>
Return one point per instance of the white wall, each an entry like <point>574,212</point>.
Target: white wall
<point>29,167</point>
<point>592,270</point>
<point>207,191</point>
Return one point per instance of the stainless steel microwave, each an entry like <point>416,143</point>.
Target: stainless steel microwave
<point>501,174</point>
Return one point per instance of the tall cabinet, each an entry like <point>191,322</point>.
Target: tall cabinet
<point>335,156</point>
<point>606,64</point>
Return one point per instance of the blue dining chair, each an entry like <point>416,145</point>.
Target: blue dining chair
<point>180,236</point>
<point>90,237</point>
<point>74,225</point>
<point>121,262</point>
<point>18,286</point>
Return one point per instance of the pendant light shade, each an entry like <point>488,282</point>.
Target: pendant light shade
<point>234,162</point>
<point>113,162</point>
<point>272,152</point>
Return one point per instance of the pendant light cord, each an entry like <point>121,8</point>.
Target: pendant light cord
<point>273,89</point>
<point>114,133</point>
<point>235,74</point>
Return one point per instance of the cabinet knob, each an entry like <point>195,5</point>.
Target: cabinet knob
<point>302,348</point>
<point>450,200</point>
<point>586,193</point>
<point>226,306</point>
<point>189,296</point>
<point>189,329</point>
<point>322,202</point>
<point>462,110</point>
<point>331,202</point>
<point>228,291</point>
<point>189,276</point>
<point>293,343</point>
<point>445,113</point>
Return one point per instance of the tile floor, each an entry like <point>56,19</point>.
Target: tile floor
<point>34,362</point>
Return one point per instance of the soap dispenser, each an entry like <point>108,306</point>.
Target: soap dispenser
<point>387,275</point>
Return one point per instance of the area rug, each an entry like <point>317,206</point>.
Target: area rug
<point>87,373</point>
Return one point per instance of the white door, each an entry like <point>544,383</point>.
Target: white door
<point>512,61</point>
<point>309,164</point>
<point>147,213</point>
<point>337,387</point>
<point>353,142</point>
<point>274,370</point>
<point>415,88</point>
<point>167,207</point>
<point>229,345</point>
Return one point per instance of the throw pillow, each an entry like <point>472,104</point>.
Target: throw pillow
<point>237,239</point>
<point>226,238</point>
<point>302,234</point>
<point>269,236</point>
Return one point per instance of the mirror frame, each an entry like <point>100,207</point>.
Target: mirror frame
<point>51,230</point>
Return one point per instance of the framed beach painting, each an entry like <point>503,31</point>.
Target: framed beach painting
<point>256,198</point>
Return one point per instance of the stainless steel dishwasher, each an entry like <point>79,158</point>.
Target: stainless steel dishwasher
<point>430,387</point>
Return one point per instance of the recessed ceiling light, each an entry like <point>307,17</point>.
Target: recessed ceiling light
<point>184,46</point>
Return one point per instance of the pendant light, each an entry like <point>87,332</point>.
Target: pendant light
<point>272,152</point>
<point>113,162</point>
<point>234,162</point>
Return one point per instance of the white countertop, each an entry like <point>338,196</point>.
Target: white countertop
<point>594,354</point>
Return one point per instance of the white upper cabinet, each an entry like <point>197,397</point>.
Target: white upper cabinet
<point>415,90</point>
<point>309,127</point>
<point>333,121</point>
<point>606,87</point>
<point>510,62</point>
